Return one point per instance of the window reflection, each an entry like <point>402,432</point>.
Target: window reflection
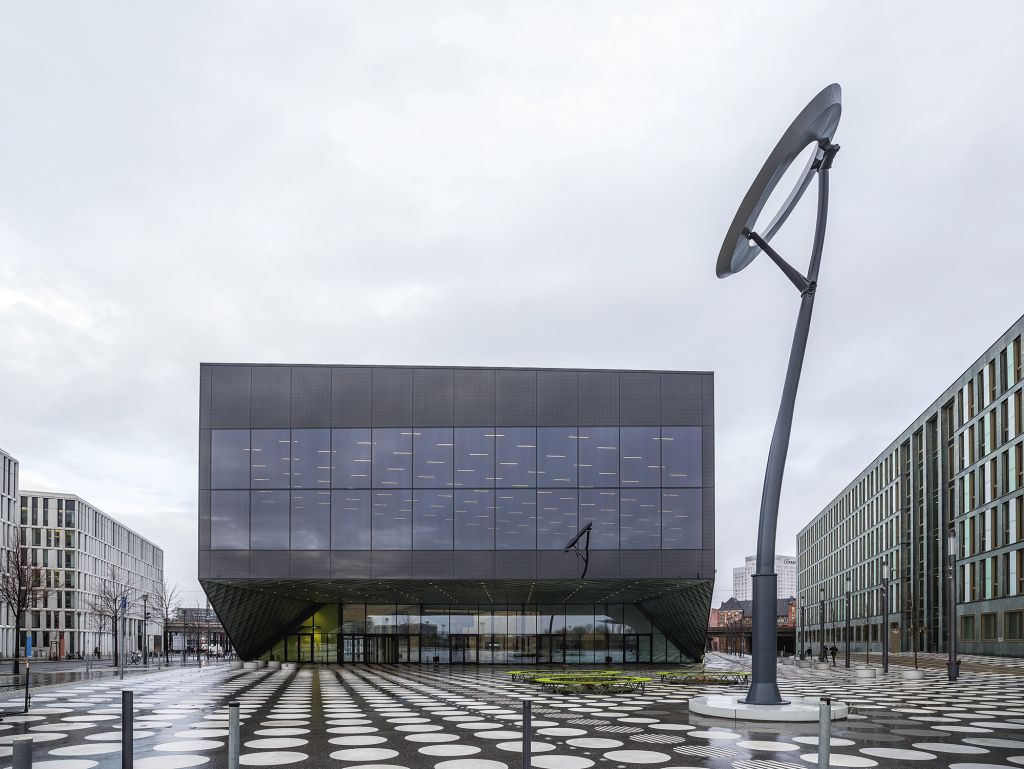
<point>391,525</point>
<point>311,459</point>
<point>556,456</point>
<point>681,519</point>
<point>433,458</point>
<point>477,488</point>
<point>515,519</point>
<point>432,520</point>
<point>269,513</point>
<point>640,456</point>
<point>601,507</point>
<point>351,458</point>
<point>392,459</point>
<point>474,457</point>
<point>311,520</point>
<point>350,520</point>
<point>516,449</point>
<point>640,519</point>
<point>557,518</point>
<point>474,519</point>
<point>270,459</point>
<point>229,459</point>
<point>229,520</point>
<point>681,456</point>
<point>598,449</point>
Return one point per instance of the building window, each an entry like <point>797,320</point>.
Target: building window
<point>311,459</point>
<point>350,520</point>
<point>229,459</point>
<point>310,520</point>
<point>1014,623</point>
<point>598,449</point>
<point>988,627</point>
<point>229,520</point>
<point>474,519</point>
<point>967,627</point>
<point>557,517</point>
<point>351,458</point>
<point>515,518</point>
<point>391,520</point>
<point>270,459</point>
<point>269,514</point>
<point>433,527</point>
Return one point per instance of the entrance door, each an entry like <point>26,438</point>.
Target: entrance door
<point>353,648</point>
<point>464,649</point>
<point>386,649</point>
<point>299,647</point>
<point>644,649</point>
<point>631,647</point>
<point>551,649</point>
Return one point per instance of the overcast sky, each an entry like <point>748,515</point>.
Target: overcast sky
<point>531,184</point>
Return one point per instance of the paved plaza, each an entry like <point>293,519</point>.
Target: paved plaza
<point>413,717</point>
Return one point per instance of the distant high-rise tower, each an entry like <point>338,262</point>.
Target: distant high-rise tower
<point>785,567</point>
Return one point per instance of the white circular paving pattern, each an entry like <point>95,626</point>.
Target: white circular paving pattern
<point>413,717</point>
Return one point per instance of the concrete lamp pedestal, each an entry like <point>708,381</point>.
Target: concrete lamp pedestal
<point>799,709</point>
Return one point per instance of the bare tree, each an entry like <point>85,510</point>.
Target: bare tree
<point>167,600</point>
<point>115,596</point>
<point>22,585</point>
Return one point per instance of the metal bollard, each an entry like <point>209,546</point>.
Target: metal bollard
<point>527,733</point>
<point>824,731</point>
<point>28,677</point>
<point>233,729</point>
<point>22,752</point>
<point>127,730</point>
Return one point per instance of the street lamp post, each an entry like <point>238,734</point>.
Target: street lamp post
<point>951,665</point>
<point>124,634</point>
<point>800,633</point>
<point>821,621</point>
<point>815,125</point>
<point>885,615</point>
<point>846,638</point>
<point>145,630</point>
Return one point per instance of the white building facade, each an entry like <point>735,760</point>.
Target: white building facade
<point>83,552</point>
<point>785,568</point>
<point>8,521</point>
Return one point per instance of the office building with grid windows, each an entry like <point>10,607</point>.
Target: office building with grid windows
<point>402,514</point>
<point>960,465</point>
<point>8,524</point>
<point>84,553</point>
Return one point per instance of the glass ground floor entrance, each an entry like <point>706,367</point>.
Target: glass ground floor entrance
<point>487,635</point>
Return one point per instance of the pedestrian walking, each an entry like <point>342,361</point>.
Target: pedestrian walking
<point>833,650</point>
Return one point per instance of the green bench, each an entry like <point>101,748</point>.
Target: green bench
<point>596,684</point>
<point>705,676</point>
<point>533,675</point>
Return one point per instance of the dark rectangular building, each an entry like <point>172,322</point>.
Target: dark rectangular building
<point>403,514</point>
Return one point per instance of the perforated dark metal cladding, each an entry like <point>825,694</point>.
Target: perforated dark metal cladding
<point>259,595</point>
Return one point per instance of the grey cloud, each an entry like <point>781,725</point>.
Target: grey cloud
<point>502,184</point>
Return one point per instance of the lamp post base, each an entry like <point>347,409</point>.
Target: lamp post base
<point>764,689</point>
<point>766,693</point>
<point>731,707</point>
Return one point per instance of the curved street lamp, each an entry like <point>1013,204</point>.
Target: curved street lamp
<point>816,125</point>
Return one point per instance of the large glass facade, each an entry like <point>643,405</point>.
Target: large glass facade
<point>467,488</point>
<point>476,634</point>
